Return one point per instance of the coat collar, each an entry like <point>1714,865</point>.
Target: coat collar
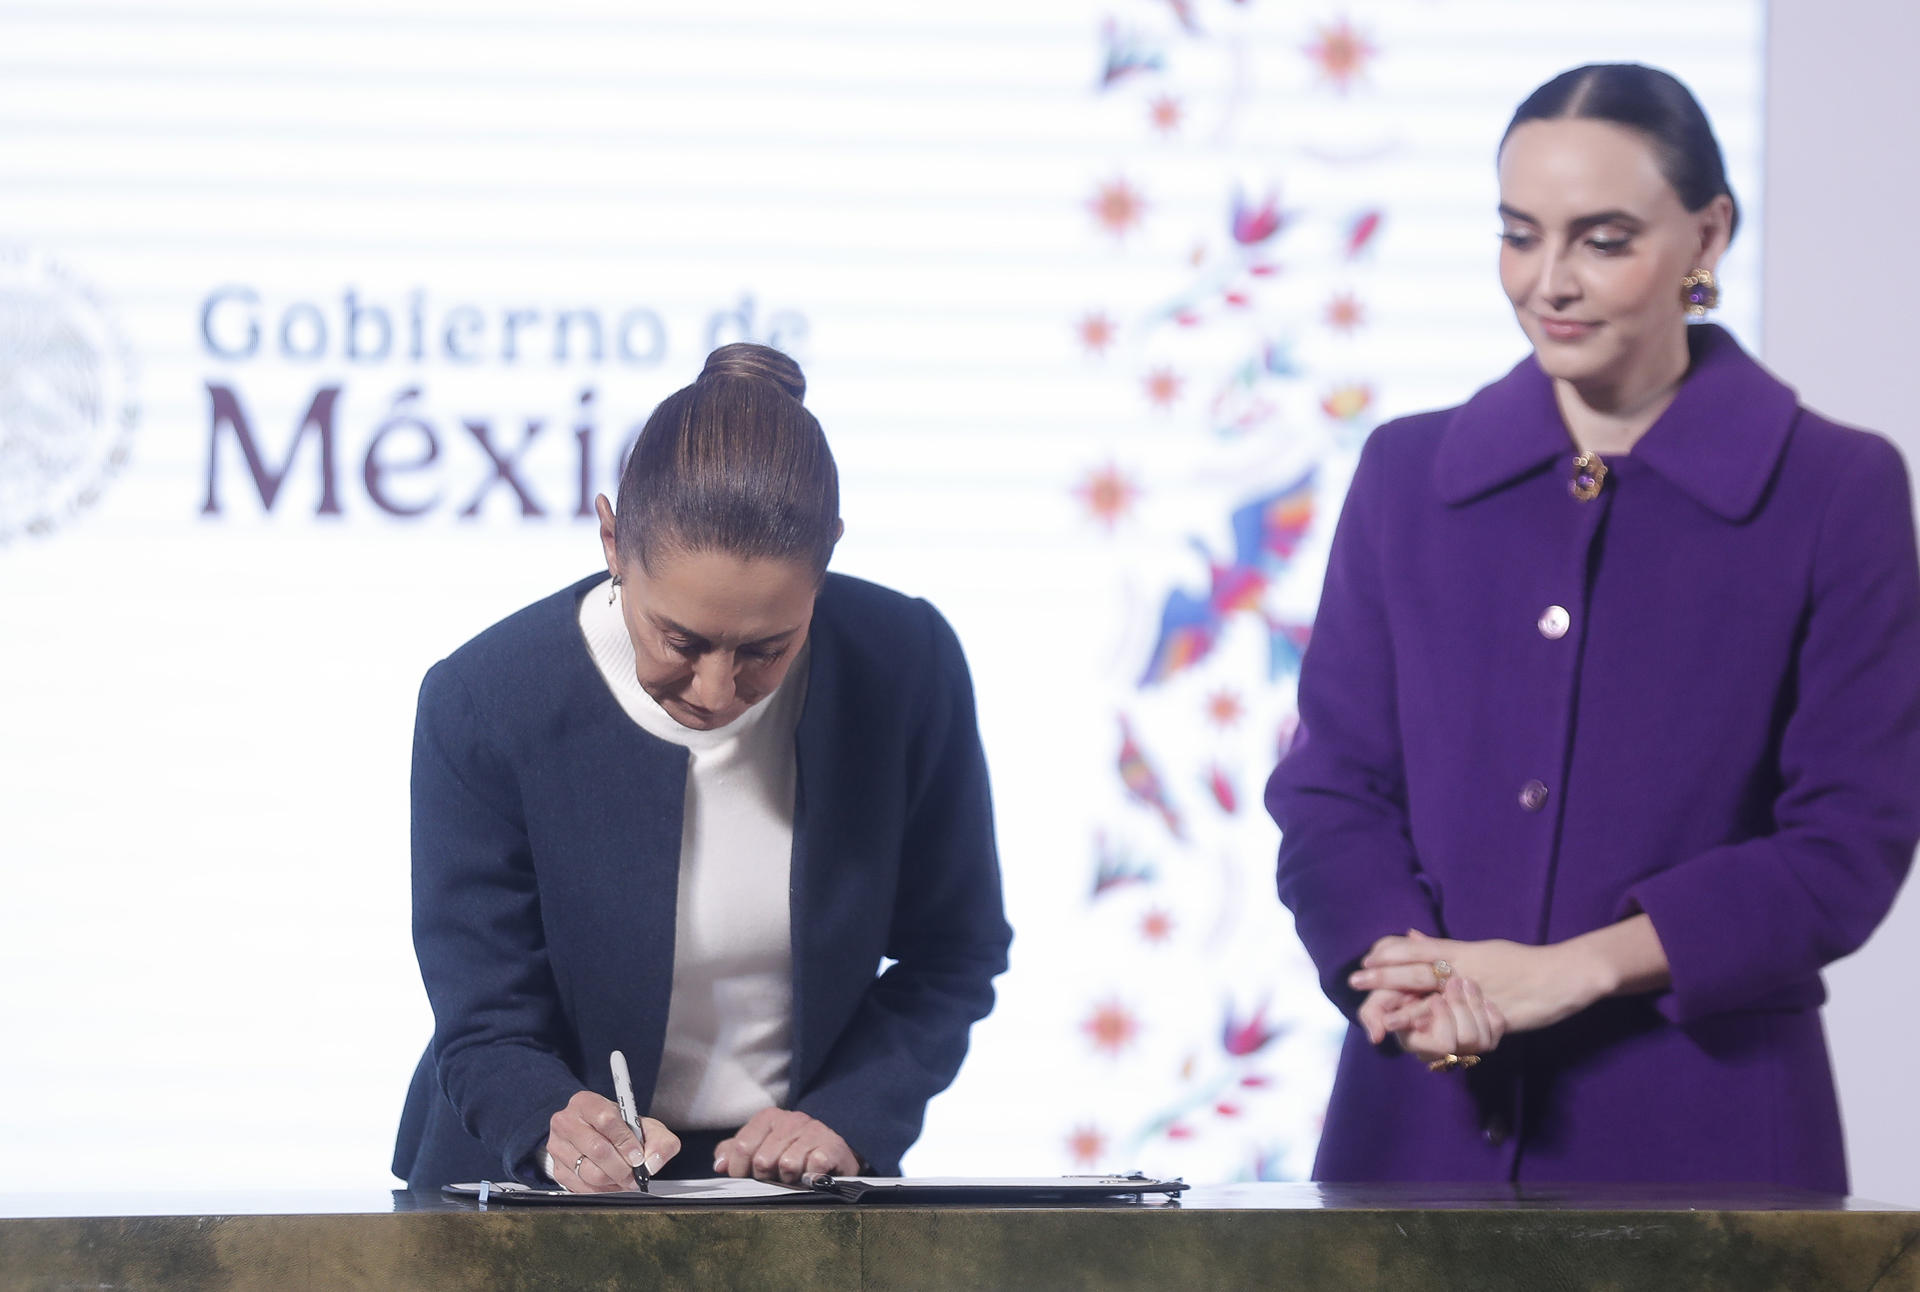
<point>1718,442</point>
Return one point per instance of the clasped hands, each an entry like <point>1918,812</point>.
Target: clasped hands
<point>1439,996</point>
<point>593,1151</point>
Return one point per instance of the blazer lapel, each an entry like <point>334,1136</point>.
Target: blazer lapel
<point>839,897</point>
<point>616,878</point>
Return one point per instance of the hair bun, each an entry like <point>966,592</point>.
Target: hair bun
<point>757,363</point>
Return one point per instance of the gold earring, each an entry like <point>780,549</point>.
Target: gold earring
<point>1699,292</point>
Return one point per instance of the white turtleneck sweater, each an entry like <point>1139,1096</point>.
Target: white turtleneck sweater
<point>730,1020</point>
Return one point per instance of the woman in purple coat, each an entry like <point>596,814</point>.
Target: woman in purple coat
<point>1611,723</point>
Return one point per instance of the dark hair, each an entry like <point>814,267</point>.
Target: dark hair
<point>1647,100</point>
<point>733,463</point>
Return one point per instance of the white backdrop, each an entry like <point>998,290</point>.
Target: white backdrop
<point>1841,102</point>
<point>1071,283</point>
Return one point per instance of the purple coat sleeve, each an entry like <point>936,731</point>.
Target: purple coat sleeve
<point>1746,920</point>
<point>1347,866</point>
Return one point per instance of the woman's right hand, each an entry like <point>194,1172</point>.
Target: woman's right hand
<point>592,1151</point>
<point>1456,1020</point>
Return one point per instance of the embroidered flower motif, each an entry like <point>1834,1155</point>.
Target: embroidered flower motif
<point>1345,313</point>
<point>1118,207</point>
<point>1241,1037</point>
<point>1112,1027</point>
<point>1341,53</point>
<point>1108,494</point>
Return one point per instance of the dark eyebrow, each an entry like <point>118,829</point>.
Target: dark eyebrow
<point>1580,224</point>
<point>661,621</point>
<point>665,624</point>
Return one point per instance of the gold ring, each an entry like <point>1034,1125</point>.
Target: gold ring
<point>1442,970</point>
<point>1448,1062</point>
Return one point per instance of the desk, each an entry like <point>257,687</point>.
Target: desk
<point>1279,1236</point>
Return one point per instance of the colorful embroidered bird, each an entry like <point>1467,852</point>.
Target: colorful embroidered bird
<point>1286,646</point>
<point>1240,1037</point>
<point>1183,10</point>
<point>1265,533</point>
<point>1115,868</point>
<point>1143,782</point>
<point>1126,56</point>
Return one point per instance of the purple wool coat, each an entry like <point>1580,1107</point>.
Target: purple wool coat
<point>1526,716</point>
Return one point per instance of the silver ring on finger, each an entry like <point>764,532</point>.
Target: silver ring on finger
<point>576,1164</point>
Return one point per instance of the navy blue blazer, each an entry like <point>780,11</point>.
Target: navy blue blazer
<point>546,861</point>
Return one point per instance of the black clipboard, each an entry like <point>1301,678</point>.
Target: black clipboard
<point>857,1189</point>
<point>998,1191</point>
<point>659,1193</point>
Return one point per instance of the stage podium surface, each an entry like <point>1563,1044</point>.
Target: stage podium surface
<point>1273,1236</point>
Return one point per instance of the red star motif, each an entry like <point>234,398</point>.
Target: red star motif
<point>1345,313</point>
<point>1341,54</point>
<point>1097,332</point>
<point>1111,1028</point>
<point>1087,1145</point>
<point>1166,114</point>
<point>1118,207</point>
<point>1224,708</point>
<point>1163,387</point>
<point>1108,494</point>
<point>1156,926</point>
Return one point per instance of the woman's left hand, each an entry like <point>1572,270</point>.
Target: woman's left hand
<point>1377,1008</point>
<point>1533,987</point>
<point>783,1145</point>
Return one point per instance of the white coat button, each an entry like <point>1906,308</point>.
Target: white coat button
<point>1553,623</point>
<point>1533,796</point>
